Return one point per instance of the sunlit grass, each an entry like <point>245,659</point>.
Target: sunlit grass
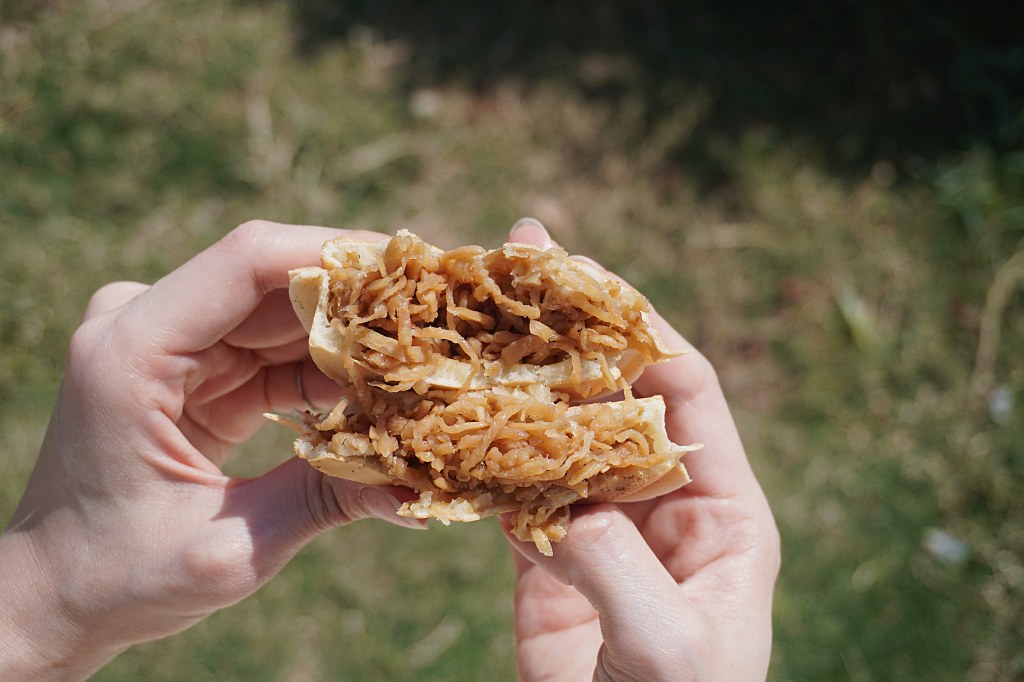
<point>843,313</point>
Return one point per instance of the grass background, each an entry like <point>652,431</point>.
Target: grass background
<point>828,201</point>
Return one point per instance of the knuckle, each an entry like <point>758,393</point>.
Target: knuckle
<point>221,569</point>
<point>595,527</point>
<point>248,238</point>
<point>248,233</point>
<point>701,378</point>
<point>246,243</point>
<point>764,542</point>
<point>704,373</point>
<point>99,353</point>
<point>86,340</point>
<point>110,296</point>
<point>88,352</point>
<point>646,663</point>
<point>330,503</point>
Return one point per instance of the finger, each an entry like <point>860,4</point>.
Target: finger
<point>599,533</point>
<point>278,355</point>
<point>543,602</point>
<point>278,388</point>
<point>206,298</point>
<point>697,412</point>
<point>221,369</point>
<point>530,231</point>
<point>682,379</point>
<point>215,424</point>
<point>111,296</point>
<point>273,323</point>
<point>696,408</point>
<point>294,386</point>
<point>646,622</point>
<point>305,504</point>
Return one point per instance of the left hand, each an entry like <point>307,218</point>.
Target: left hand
<point>129,530</point>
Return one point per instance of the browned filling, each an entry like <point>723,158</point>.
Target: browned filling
<point>525,450</point>
<point>476,306</point>
<point>526,455</point>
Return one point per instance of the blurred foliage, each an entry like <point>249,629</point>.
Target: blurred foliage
<point>821,198</point>
<point>862,79</point>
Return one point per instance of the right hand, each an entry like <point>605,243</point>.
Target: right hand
<point>676,588</point>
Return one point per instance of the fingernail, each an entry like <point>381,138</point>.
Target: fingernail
<point>381,504</point>
<point>530,231</point>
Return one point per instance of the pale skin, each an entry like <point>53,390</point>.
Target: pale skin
<point>129,530</point>
<point>678,588</point>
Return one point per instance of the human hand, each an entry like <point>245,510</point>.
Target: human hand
<point>676,588</point>
<point>129,530</point>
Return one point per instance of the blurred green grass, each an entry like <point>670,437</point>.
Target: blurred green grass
<point>843,307</point>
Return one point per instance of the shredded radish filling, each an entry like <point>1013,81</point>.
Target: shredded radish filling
<point>470,451</point>
<point>528,455</point>
<point>478,306</point>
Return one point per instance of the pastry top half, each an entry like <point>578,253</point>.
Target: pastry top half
<point>404,315</point>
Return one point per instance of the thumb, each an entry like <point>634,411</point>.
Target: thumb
<point>531,231</point>
<point>650,630</point>
<point>290,505</point>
